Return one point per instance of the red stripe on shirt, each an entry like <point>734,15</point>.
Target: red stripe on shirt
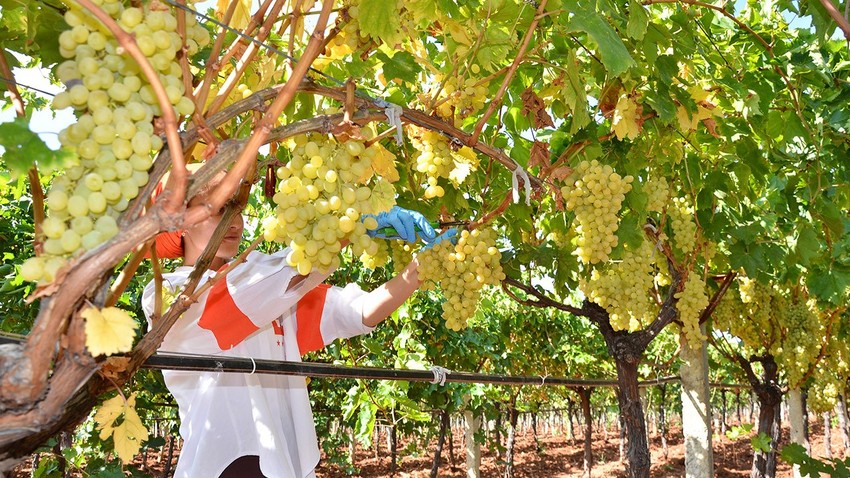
<point>308,314</point>
<point>223,318</point>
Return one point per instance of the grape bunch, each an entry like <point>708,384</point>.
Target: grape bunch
<point>595,192</point>
<point>684,227</point>
<point>802,341</point>
<point>692,300</point>
<point>623,288</point>
<point>438,159</point>
<point>401,253</point>
<point>113,137</point>
<point>463,97</point>
<point>325,189</point>
<point>658,192</point>
<point>379,258</point>
<point>461,270</point>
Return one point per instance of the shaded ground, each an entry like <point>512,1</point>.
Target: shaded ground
<point>558,457</point>
<point>561,457</point>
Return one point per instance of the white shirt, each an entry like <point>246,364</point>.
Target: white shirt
<point>225,415</point>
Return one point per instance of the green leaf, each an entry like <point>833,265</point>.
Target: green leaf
<point>794,453</point>
<point>24,149</point>
<point>615,56</point>
<point>380,19</point>
<point>830,214</point>
<point>808,245</point>
<point>638,20</point>
<point>761,442</point>
<point>402,65</point>
<point>629,233</point>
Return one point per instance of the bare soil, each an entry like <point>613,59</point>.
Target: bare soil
<point>556,457</point>
<point>561,457</point>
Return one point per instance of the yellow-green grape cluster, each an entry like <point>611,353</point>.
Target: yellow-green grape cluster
<point>595,192</point>
<point>658,192</point>
<point>463,97</point>
<point>684,227</point>
<point>692,300</point>
<point>462,270</point>
<point>325,189</point>
<point>401,253</point>
<point>756,324</point>
<point>114,136</point>
<point>437,159</point>
<point>623,288</point>
<point>802,340</point>
<point>379,258</point>
<point>822,395</point>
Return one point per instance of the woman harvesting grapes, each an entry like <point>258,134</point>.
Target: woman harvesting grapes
<point>252,425</point>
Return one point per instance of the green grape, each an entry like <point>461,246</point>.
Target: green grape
<point>461,271</point>
<point>437,159</point>
<point>684,227</point>
<point>114,134</point>
<point>314,215</point>
<point>623,288</point>
<point>692,300</point>
<point>595,192</point>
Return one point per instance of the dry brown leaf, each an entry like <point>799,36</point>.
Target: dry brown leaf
<point>539,155</point>
<point>113,367</point>
<point>533,104</point>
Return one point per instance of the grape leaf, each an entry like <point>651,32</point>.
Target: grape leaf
<point>380,20</point>
<point>615,56</point>
<point>127,436</point>
<point>24,149</point>
<point>241,15</point>
<point>384,163</point>
<point>109,330</point>
<point>402,65</point>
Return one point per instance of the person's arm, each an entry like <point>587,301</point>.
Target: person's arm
<point>383,301</point>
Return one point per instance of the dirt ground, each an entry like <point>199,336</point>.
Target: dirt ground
<point>558,457</point>
<point>561,457</point>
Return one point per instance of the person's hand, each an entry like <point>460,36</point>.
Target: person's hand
<point>400,223</point>
<point>450,235</point>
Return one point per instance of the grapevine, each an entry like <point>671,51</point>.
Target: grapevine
<point>113,137</point>
<point>325,189</point>
<point>595,192</point>
<point>461,271</point>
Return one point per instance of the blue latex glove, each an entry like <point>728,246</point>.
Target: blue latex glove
<point>450,235</point>
<point>405,224</point>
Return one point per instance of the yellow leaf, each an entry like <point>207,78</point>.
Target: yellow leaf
<point>241,15</point>
<point>465,161</point>
<point>384,163</point>
<point>624,122</point>
<point>129,435</point>
<point>456,32</point>
<point>109,330</point>
<point>686,121</point>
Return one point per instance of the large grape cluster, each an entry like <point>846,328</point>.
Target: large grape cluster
<point>438,159</point>
<point>462,270</point>
<point>684,227</point>
<point>325,189</point>
<point>623,288</point>
<point>692,300</point>
<point>595,192</point>
<point>113,136</point>
<point>801,346</point>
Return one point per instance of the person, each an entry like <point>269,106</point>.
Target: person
<point>252,424</point>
